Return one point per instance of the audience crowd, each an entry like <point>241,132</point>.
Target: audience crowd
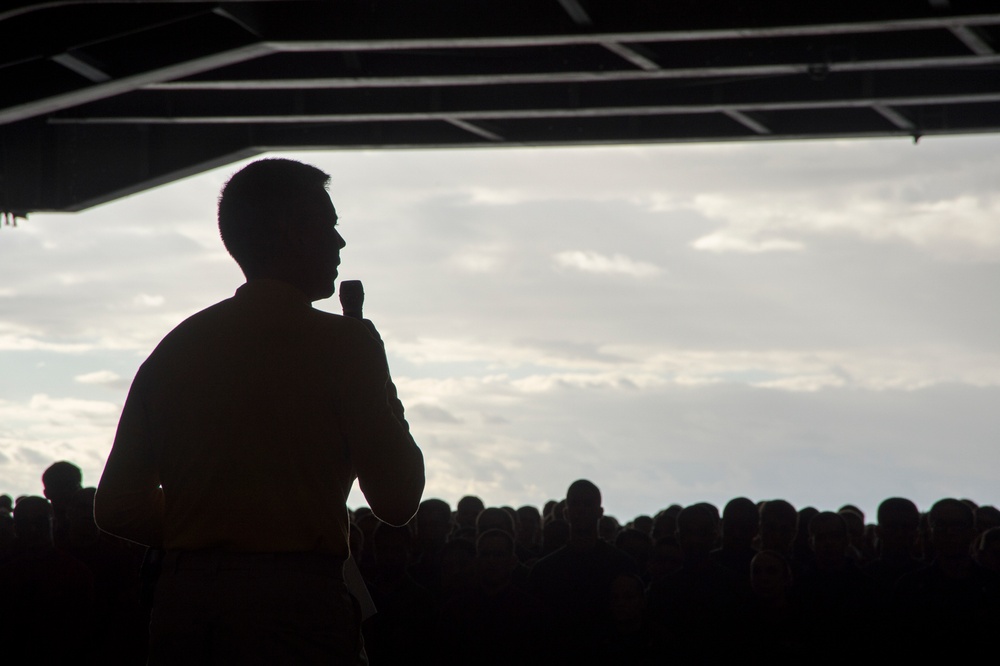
<point>565,583</point>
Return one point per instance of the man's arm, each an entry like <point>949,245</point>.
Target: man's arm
<point>389,465</point>
<point>129,500</point>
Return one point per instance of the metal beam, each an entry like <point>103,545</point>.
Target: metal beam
<point>973,39</point>
<point>423,81</point>
<point>631,55</point>
<point>766,32</point>
<point>747,121</point>
<point>592,112</point>
<point>894,117</point>
<point>75,63</point>
<point>475,129</point>
<point>125,84</point>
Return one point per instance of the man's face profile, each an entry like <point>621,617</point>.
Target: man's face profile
<point>318,245</point>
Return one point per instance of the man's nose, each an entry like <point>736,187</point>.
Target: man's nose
<point>341,243</point>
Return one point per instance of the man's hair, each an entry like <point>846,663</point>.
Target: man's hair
<point>62,478</point>
<point>257,199</point>
<point>583,486</point>
<point>827,518</point>
<point>897,505</point>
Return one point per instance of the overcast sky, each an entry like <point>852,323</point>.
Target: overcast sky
<point>813,321</point>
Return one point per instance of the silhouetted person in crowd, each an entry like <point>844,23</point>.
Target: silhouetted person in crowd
<point>952,603</point>
<point>433,524</point>
<point>636,544</point>
<point>836,596</point>
<point>529,534</point>
<point>987,551</point>
<point>778,529</point>
<point>60,481</point>
<point>628,641</point>
<point>665,522</point>
<point>740,523</point>
<point>467,511</point>
<point>691,606</point>
<point>119,619</point>
<point>47,594</point>
<point>896,534</point>
<point>574,582</point>
<point>494,622</point>
<point>802,554</point>
<point>772,623</point>
<point>665,558</point>
<point>555,535</point>
<point>987,517</point>
<point>608,528</point>
<point>398,633</point>
<point>242,435</point>
<point>494,518</point>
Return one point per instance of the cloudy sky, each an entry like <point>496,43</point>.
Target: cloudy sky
<point>814,321</point>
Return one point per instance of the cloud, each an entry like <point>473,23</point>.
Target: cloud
<point>98,377</point>
<point>146,300</point>
<point>722,241</point>
<point>616,264</point>
<point>431,413</point>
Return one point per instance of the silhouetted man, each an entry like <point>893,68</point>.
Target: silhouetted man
<point>574,582</point>
<point>242,435</point>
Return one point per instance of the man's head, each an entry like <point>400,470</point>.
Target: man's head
<point>697,530</point>
<point>952,525</point>
<point>60,481</point>
<point>277,221</point>
<point>583,506</point>
<point>898,525</point>
<point>829,539</point>
<point>778,523</point>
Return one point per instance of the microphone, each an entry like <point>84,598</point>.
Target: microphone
<point>352,298</point>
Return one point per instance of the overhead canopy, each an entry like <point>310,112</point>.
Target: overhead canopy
<point>106,98</point>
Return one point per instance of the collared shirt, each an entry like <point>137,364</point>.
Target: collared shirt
<point>247,425</point>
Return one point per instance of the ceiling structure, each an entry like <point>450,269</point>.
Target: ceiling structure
<point>104,98</point>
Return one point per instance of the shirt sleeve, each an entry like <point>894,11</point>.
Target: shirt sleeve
<point>129,501</point>
<point>389,465</point>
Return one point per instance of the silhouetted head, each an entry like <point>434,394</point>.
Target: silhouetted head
<point>952,526</point>
<point>853,509</point>
<point>33,521</point>
<point>898,527</point>
<point>433,523</point>
<point>583,507</point>
<point>277,221</point>
<point>855,527</point>
<point>643,524</point>
<point>608,528</point>
<point>555,535</point>
<point>636,544</point>
<point>60,481</point>
<point>988,549</point>
<point>987,517</point>
<point>494,518</point>
<point>529,525</point>
<point>697,530</point>
<point>665,559</point>
<point>467,511</point>
<point>740,522</point>
<point>778,522</point>
<point>829,539</point>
